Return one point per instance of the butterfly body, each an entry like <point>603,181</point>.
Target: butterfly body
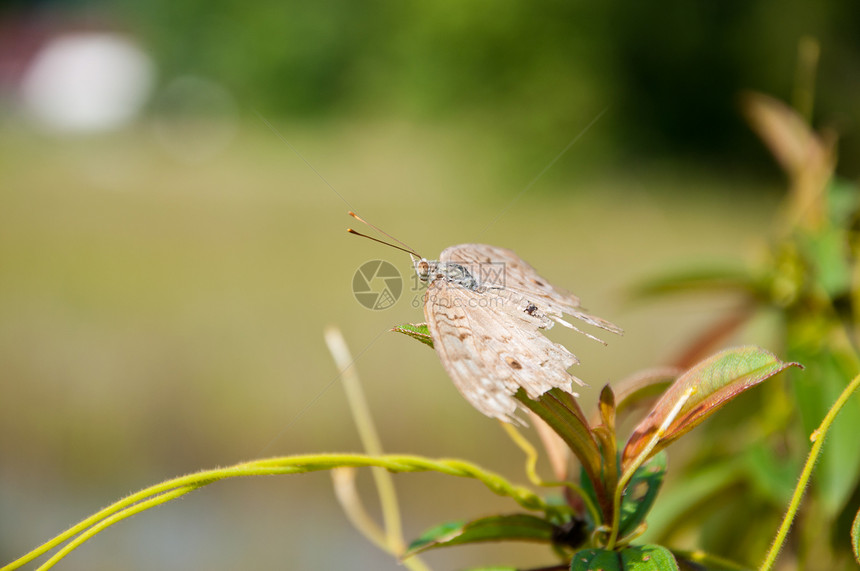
<point>486,309</point>
<point>429,270</point>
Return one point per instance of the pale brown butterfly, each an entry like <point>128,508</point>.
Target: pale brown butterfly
<point>485,309</point>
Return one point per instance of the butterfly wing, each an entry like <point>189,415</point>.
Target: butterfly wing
<point>490,347</point>
<point>500,267</point>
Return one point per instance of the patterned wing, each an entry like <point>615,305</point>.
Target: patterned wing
<point>490,346</point>
<point>500,267</point>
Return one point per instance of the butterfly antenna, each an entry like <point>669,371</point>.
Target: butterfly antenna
<point>410,252</point>
<point>406,247</point>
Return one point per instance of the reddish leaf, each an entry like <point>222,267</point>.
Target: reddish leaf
<point>606,408</point>
<point>710,385</point>
<point>642,388</point>
<point>605,434</point>
<point>785,132</point>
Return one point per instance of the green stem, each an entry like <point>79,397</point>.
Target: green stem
<point>637,462</point>
<point>369,437</point>
<point>818,442</point>
<point>534,478</point>
<point>109,521</point>
<point>170,489</point>
<point>562,414</point>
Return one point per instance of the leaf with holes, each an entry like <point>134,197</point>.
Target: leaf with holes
<point>641,493</point>
<point>633,558</point>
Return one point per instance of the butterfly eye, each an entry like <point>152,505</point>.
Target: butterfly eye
<point>423,267</point>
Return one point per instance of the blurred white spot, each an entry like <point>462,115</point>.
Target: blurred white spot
<point>87,82</point>
<point>195,118</point>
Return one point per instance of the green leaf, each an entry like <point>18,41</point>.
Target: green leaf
<point>707,387</point>
<point>827,252</point>
<point>855,536</point>
<point>633,558</point>
<point>690,498</point>
<point>648,558</point>
<point>512,527</point>
<point>641,493</point>
<point>705,279</point>
<point>591,559</point>
<point>436,535</point>
<point>774,476</point>
<point>416,331</point>
<point>843,201</point>
<point>699,560</point>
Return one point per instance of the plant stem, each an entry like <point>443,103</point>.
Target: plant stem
<point>170,489</point>
<point>818,442</point>
<point>534,478</point>
<point>637,462</point>
<point>369,439</point>
<point>109,521</point>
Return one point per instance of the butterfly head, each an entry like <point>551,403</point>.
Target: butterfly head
<point>424,269</point>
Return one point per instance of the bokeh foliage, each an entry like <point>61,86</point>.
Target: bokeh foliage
<point>807,284</point>
<point>670,72</point>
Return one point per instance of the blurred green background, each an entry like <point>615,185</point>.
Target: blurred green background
<point>164,283</point>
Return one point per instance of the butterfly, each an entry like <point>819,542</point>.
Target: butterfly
<point>486,309</point>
